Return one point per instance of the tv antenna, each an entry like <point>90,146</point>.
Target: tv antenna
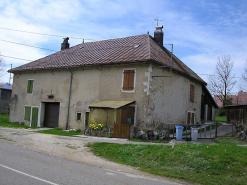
<point>158,21</point>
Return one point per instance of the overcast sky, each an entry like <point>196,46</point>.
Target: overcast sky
<point>201,30</point>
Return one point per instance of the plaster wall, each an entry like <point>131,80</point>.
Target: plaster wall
<point>158,100</point>
<point>89,85</point>
<point>169,100</point>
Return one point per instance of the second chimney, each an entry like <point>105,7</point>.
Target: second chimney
<point>158,35</point>
<point>65,44</point>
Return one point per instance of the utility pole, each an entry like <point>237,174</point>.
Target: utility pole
<point>10,74</point>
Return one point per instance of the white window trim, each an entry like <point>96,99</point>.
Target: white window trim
<point>79,120</point>
<point>132,91</point>
<point>33,86</point>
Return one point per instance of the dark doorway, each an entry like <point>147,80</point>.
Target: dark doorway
<point>127,112</point>
<point>51,115</point>
<point>86,119</point>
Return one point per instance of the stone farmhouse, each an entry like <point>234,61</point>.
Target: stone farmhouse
<point>132,80</point>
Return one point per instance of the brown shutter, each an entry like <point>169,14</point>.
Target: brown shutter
<point>192,92</point>
<point>128,83</point>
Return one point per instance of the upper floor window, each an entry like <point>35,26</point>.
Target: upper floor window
<point>29,86</point>
<point>128,83</point>
<point>192,93</point>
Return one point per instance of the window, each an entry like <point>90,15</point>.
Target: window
<point>78,116</point>
<point>27,113</point>
<point>192,93</point>
<point>128,80</point>
<point>29,86</point>
<point>190,117</point>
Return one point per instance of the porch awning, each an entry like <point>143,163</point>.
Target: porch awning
<point>110,104</point>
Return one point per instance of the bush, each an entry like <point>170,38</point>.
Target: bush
<point>221,112</point>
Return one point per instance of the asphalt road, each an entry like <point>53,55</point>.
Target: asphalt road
<point>22,166</point>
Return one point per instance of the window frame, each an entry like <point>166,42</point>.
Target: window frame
<point>77,116</point>
<point>192,117</point>
<point>134,80</point>
<point>28,88</point>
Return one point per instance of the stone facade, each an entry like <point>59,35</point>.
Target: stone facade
<point>159,98</point>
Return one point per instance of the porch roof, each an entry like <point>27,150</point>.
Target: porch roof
<point>110,104</point>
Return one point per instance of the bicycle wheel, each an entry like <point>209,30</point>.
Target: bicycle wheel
<point>242,137</point>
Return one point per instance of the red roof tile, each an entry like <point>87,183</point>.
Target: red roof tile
<point>112,51</point>
<point>239,99</point>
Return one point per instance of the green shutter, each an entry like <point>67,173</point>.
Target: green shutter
<point>29,86</point>
<point>27,113</point>
<point>35,112</point>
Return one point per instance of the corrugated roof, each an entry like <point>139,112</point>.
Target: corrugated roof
<point>120,50</point>
<point>110,104</point>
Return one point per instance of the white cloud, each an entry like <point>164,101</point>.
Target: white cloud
<point>200,30</point>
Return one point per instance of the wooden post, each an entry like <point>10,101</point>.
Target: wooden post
<point>216,125</point>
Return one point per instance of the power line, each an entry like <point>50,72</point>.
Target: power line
<point>28,45</point>
<point>43,34</point>
<point>15,58</point>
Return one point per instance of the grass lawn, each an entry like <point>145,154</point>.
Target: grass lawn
<point>224,163</point>
<point>221,118</point>
<point>4,122</point>
<point>60,132</point>
<point>146,141</point>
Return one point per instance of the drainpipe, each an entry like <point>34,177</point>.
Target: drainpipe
<point>70,85</point>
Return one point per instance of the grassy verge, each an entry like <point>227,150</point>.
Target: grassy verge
<point>4,122</point>
<point>221,118</point>
<point>224,163</point>
<point>146,141</point>
<point>60,132</point>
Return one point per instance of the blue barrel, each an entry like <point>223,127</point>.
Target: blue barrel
<point>179,133</point>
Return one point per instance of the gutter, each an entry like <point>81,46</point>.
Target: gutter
<point>70,85</point>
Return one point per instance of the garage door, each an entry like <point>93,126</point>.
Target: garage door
<point>51,115</point>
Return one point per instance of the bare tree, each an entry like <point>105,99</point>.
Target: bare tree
<point>222,82</point>
<point>2,65</point>
<point>244,79</point>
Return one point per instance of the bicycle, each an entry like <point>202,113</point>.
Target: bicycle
<point>242,136</point>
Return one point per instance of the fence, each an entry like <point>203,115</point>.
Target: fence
<point>121,130</point>
<point>205,130</point>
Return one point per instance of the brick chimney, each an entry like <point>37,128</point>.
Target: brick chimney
<point>65,44</point>
<point>158,35</point>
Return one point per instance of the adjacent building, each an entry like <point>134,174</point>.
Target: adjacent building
<point>5,96</point>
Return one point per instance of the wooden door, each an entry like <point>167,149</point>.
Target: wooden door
<point>34,120</point>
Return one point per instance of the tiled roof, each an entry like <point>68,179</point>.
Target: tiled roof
<point>242,98</point>
<point>121,50</point>
<point>239,99</point>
